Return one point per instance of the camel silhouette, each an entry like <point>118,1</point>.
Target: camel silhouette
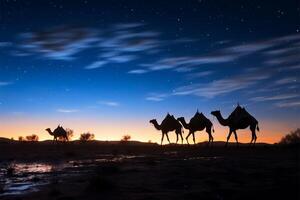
<point>197,123</point>
<point>167,125</point>
<point>58,132</point>
<point>238,119</point>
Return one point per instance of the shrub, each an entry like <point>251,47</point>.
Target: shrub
<point>125,138</point>
<point>87,137</point>
<point>21,139</point>
<point>292,138</point>
<point>32,138</point>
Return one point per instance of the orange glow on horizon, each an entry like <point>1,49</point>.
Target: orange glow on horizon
<point>270,132</point>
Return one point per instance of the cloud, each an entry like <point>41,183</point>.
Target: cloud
<point>156,97</point>
<point>287,80</point>
<point>122,58</point>
<point>59,43</point>
<point>176,63</point>
<point>96,64</point>
<point>275,97</point>
<point>222,86</point>
<point>138,71</point>
<point>109,103</point>
<point>199,74</point>
<point>288,104</point>
<point>127,25</point>
<point>4,83</point>
<point>61,110</point>
<point>233,53</point>
<point>5,44</point>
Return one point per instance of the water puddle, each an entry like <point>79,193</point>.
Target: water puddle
<point>21,178</point>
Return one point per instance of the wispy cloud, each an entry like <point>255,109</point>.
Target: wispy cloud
<point>109,103</point>
<point>290,104</point>
<point>275,97</point>
<point>62,110</point>
<point>5,44</point>
<point>138,71</point>
<point>156,97</point>
<point>286,80</point>
<point>222,86</point>
<point>96,64</point>
<point>59,43</point>
<point>4,83</point>
<point>199,74</point>
<point>231,53</point>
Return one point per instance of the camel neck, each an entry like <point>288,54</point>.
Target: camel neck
<point>222,121</point>
<point>156,125</point>
<point>185,125</point>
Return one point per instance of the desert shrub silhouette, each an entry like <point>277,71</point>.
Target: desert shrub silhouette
<point>21,139</point>
<point>32,138</point>
<point>125,138</point>
<point>87,137</point>
<point>293,138</point>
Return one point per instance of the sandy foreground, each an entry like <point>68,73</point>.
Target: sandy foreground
<point>148,171</point>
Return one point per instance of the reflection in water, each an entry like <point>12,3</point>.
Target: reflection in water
<point>19,178</point>
<point>26,177</point>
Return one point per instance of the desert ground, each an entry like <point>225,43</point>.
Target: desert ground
<point>134,170</point>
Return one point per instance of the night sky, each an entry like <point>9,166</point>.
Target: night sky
<point>109,67</point>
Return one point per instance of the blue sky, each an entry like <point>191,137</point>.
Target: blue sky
<point>141,60</point>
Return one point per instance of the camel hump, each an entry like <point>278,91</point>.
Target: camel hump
<point>239,113</point>
<point>169,119</point>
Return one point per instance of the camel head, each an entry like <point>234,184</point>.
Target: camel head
<point>49,131</point>
<point>152,121</point>
<point>216,112</point>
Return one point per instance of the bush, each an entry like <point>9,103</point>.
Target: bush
<point>87,137</point>
<point>21,139</point>
<point>32,138</point>
<point>125,138</point>
<point>292,138</point>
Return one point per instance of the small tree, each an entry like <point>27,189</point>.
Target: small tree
<point>21,139</point>
<point>86,137</point>
<point>293,138</point>
<point>125,138</point>
<point>32,138</point>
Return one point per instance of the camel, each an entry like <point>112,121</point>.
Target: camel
<point>58,132</point>
<point>167,125</point>
<point>197,123</point>
<point>238,119</point>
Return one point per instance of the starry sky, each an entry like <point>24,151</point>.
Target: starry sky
<point>108,67</point>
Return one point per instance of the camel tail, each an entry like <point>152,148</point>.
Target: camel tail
<point>213,129</point>
<point>257,128</point>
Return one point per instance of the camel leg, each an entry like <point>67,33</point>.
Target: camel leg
<point>181,138</point>
<point>253,135</point>
<point>177,137</point>
<point>236,137</point>
<point>162,138</point>
<point>228,137</point>
<point>168,138</point>
<point>194,138</point>
<point>210,137</point>
<point>253,139</point>
<point>187,137</point>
